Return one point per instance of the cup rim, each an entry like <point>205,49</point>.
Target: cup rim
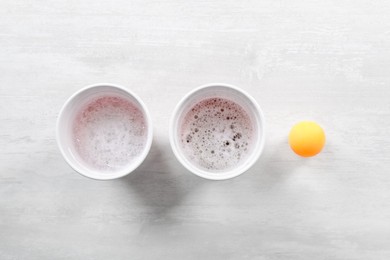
<point>220,175</point>
<point>94,174</point>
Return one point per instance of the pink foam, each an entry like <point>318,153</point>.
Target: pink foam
<point>109,133</point>
<point>216,134</point>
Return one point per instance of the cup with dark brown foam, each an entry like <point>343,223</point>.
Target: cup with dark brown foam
<point>217,131</point>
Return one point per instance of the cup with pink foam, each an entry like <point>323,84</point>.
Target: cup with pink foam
<point>217,131</point>
<point>104,131</point>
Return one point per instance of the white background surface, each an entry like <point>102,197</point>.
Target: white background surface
<point>322,60</point>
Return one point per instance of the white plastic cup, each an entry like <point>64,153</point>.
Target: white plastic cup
<point>67,116</point>
<point>238,96</point>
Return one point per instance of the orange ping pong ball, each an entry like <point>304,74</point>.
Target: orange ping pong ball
<point>306,138</point>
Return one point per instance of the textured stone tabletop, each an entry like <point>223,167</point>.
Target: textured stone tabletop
<point>327,61</point>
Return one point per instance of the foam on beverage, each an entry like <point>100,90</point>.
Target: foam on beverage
<point>109,133</point>
<point>216,134</point>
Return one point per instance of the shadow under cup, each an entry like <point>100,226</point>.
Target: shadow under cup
<point>209,93</point>
<point>66,123</point>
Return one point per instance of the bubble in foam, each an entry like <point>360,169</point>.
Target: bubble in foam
<point>109,133</point>
<point>214,134</point>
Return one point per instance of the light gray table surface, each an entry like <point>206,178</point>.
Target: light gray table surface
<point>327,61</point>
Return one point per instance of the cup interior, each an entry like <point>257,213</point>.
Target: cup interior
<point>226,92</point>
<point>65,124</point>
